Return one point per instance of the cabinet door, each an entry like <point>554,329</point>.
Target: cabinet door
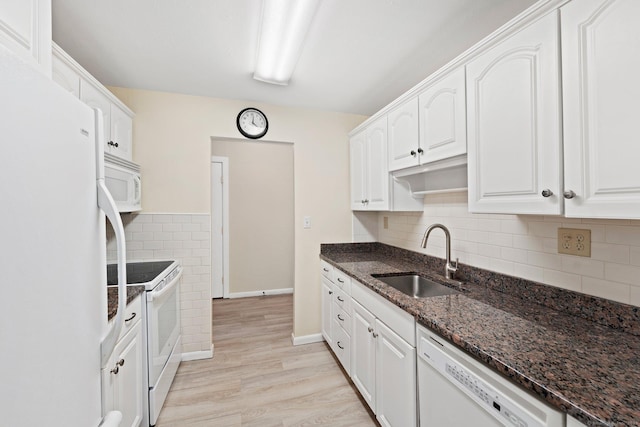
<point>600,63</point>
<point>403,136</point>
<point>25,28</point>
<point>357,153</point>
<point>65,76</point>
<point>327,294</point>
<point>96,99</point>
<point>443,121</point>
<point>377,167</point>
<point>395,379</point>
<point>128,381</point>
<point>363,353</point>
<point>121,133</point>
<point>514,132</point>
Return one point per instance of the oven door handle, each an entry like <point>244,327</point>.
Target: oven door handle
<point>166,289</point>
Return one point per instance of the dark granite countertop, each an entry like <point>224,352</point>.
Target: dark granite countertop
<point>112,297</point>
<point>579,353</point>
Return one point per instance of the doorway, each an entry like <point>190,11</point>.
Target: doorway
<point>252,218</point>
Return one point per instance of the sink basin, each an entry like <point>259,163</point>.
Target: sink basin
<point>416,286</point>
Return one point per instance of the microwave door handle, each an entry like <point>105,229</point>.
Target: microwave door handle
<point>159,294</point>
<point>137,184</point>
<point>108,206</point>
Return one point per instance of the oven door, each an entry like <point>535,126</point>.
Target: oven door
<point>163,326</point>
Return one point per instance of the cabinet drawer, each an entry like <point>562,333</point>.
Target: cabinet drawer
<point>342,280</point>
<point>326,270</point>
<point>342,317</point>
<point>132,311</point>
<point>342,346</point>
<point>341,299</point>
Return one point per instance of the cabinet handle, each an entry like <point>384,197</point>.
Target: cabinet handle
<point>340,318</point>
<point>330,292</point>
<point>547,193</point>
<point>113,144</point>
<point>325,269</point>
<point>340,280</point>
<point>375,335</point>
<point>370,329</point>
<point>340,299</point>
<point>338,344</point>
<point>420,151</point>
<point>569,194</point>
<point>116,369</point>
<point>413,153</point>
<point>133,315</point>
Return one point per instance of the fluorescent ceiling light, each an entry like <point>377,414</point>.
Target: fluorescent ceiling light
<point>285,24</point>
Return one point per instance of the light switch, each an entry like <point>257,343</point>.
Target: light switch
<point>307,222</point>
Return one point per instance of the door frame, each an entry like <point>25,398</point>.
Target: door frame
<point>224,161</point>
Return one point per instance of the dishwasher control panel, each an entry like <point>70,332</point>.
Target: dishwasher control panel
<point>500,406</point>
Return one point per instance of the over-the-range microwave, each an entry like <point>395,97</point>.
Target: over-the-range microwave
<point>123,180</point>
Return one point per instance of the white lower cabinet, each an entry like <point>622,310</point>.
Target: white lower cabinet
<point>336,313</point>
<point>572,422</point>
<point>123,387</point>
<point>327,296</point>
<point>383,364</point>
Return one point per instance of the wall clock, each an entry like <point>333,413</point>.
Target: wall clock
<point>252,123</point>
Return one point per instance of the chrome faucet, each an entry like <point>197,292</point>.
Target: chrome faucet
<point>450,270</point>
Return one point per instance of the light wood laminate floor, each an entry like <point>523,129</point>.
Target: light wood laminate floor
<point>258,378</point>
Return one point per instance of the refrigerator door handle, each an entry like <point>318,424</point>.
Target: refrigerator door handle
<point>112,419</point>
<point>108,206</point>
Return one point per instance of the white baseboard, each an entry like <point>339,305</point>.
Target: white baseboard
<point>306,339</point>
<point>198,355</point>
<point>261,293</point>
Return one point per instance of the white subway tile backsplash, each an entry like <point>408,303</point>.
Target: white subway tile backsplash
<point>526,246</point>
<point>186,238</point>
<point>622,273</point>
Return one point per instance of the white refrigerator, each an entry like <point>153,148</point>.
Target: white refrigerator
<point>54,333</point>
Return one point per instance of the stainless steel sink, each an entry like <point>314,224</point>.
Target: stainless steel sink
<point>416,286</point>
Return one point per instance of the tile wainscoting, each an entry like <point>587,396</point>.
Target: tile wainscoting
<point>525,246</point>
<point>186,238</point>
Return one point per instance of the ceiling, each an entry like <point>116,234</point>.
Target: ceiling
<point>359,55</point>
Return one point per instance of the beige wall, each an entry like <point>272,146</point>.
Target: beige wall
<point>261,213</point>
<point>172,143</point>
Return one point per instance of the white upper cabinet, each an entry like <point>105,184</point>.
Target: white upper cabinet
<point>377,169</point>
<point>443,126</point>
<point>117,118</point>
<point>369,170</point>
<point>404,144</point>
<point>513,122</point>
<point>65,76</point>
<point>431,126</point>
<point>25,28</point>
<point>601,89</point>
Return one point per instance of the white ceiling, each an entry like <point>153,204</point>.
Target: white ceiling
<point>359,54</point>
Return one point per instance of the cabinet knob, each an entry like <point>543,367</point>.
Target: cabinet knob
<point>547,193</point>
<point>420,151</point>
<point>375,335</point>
<point>330,292</point>
<point>413,153</point>
<point>120,362</point>
<point>370,329</point>
<point>569,194</point>
<point>115,370</point>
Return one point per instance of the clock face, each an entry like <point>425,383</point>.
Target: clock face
<point>252,123</point>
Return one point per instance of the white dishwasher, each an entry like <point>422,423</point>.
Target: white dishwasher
<point>455,390</point>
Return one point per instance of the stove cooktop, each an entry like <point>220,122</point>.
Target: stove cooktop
<point>137,272</point>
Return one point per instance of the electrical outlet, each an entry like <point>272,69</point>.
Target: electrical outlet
<point>574,241</point>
